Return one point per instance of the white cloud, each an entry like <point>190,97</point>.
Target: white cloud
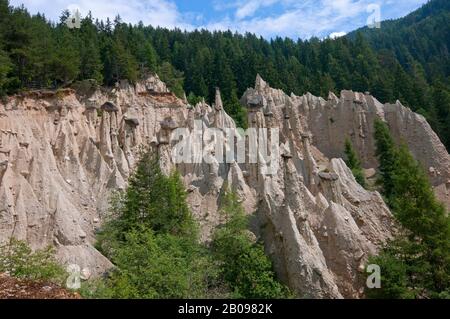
<point>336,35</point>
<point>268,18</point>
<point>294,19</point>
<point>249,8</point>
<point>162,13</point>
<point>304,18</point>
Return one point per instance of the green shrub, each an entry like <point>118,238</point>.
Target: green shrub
<point>18,260</point>
<point>153,266</point>
<point>96,289</point>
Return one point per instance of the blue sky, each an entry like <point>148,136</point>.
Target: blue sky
<point>268,18</point>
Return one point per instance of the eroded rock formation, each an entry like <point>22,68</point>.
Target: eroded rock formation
<point>352,116</point>
<point>63,153</point>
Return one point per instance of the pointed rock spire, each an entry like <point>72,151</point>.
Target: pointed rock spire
<point>218,103</point>
<point>260,84</point>
<point>333,98</point>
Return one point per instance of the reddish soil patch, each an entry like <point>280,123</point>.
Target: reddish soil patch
<point>47,94</point>
<point>163,98</point>
<point>12,288</point>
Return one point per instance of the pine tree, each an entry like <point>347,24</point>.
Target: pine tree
<point>16,41</point>
<point>151,57</point>
<point>155,200</point>
<point>91,64</point>
<point>121,65</point>
<point>4,17</point>
<point>66,58</point>
<point>382,90</point>
<point>193,99</point>
<point>387,156</point>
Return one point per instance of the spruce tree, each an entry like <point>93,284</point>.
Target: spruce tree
<point>155,201</point>
<point>91,64</point>
<point>66,53</point>
<point>387,157</point>
<point>417,263</point>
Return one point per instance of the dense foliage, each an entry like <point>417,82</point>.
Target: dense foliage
<point>152,239</point>
<point>155,201</point>
<point>417,263</point>
<point>407,59</point>
<point>420,42</point>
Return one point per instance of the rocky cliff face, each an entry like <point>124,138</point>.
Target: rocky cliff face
<point>61,156</point>
<point>352,116</point>
<point>63,153</point>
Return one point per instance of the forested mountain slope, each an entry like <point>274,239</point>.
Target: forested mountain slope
<point>421,35</point>
<point>420,42</point>
<point>407,59</point>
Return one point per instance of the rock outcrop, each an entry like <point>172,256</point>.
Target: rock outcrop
<point>318,223</point>
<point>63,153</point>
<point>352,116</point>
